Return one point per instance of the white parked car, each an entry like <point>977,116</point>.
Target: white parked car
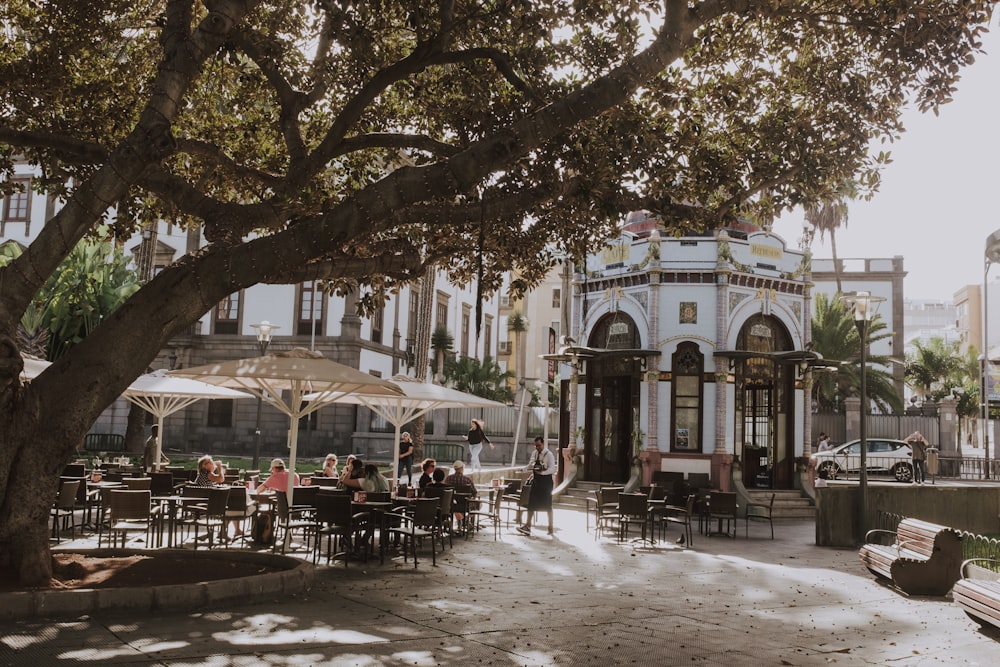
<point>884,456</point>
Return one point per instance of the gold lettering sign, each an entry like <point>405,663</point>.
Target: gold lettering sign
<point>761,250</point>
<point>615,254</point>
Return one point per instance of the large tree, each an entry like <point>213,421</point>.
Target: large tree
<point>364,142</point>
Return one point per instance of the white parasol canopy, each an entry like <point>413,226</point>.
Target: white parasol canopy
<point>298,371</point>
<point>162,394</point>
<point>418,398</point>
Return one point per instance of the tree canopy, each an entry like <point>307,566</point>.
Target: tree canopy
<point>359,143</point>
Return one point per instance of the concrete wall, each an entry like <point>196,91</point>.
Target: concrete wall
<point>972,508</point>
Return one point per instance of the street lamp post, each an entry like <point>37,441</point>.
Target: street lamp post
<point>264,331</point>
<point>862,303</point>
<point>991,255</point>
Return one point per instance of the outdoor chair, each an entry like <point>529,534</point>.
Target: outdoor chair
<point>682,516</point>
<point>445,516</point>
<point>423,523</point>
<point>760,512</point>
<point>291,520</point>
<point>606,510</point>
<point>335,521</point>
<point>63,511</point>
<point>462,500</point>
<point>489,513</point>
<point>240,508</point>
<point>138,483</point>
<point>209,517</point>
<point>161,483</point>
<point>130,512</point>
<point>633,509</point>
<point>722,507</point>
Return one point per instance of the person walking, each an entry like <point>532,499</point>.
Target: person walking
<point>918,455</point>
<point>405,459</point>
<point>823,444</point>
<point>542,466</point>
<point>476,438</point>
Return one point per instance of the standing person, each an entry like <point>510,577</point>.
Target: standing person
<point>405,459</point>
<point>823,444</point>
<point>476,438</point>
<point>330,466</point>
<point>543,467</point>
<point>149,453</point>
<point>918,454</point>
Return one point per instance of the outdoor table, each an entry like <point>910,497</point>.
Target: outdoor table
<point>171,501</point>
<point>379,509</point>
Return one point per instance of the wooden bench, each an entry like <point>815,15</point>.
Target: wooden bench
<point>922,559</point>
<point>979,597</point>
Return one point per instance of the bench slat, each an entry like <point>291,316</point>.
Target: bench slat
<point>925,560</point>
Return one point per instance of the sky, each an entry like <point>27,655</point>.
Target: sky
<point>940,198</point>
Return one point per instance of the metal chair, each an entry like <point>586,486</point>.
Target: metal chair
<point>760,512</point>
<point>335,521</point>
<point>682,516</point>
<point>211,516</point>
<point>138,483</point>
<point>491,514</point>
<point>290,520</point>
<point>633,509</point>
<point>606,509</point>
<point>63,511</point>
<point>722,506</point>
<point>422,523</point>
<point>130,512</point>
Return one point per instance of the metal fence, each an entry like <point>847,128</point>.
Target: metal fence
<point>501,421</point>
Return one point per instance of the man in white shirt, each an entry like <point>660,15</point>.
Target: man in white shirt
<point>543,467</point>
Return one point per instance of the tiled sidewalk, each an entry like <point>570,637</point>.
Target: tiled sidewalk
<point>562,600</point>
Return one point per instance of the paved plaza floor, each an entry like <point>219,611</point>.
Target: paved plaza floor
<point>562,600</point>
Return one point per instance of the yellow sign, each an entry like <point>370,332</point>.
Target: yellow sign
<point>615,254</point>
<point>761,250</point>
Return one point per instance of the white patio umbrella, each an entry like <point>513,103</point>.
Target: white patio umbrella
<point>418,398</point>
<point>298,371</point>
<point>162,394</point>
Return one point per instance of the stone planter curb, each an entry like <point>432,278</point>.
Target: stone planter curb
<point>296,577</point>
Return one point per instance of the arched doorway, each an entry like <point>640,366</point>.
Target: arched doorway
<point>612,405</point>
<point>764,414</point>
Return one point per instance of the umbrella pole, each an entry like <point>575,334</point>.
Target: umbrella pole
<point>395,458</point>
<point>159,443</point>
<point>293,437</point>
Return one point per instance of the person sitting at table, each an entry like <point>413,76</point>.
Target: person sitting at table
<point>457,478</point>
<point>372,481</point>
<point>428,466</point>
<point>437,479</point>
<point>330,466</point>
<point>278,481</point>
<point>209,472</point>
<point>353,469</point>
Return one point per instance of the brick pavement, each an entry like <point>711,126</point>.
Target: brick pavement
<point>562,600</point>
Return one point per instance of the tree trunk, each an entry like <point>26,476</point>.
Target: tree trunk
<point>836,263</point>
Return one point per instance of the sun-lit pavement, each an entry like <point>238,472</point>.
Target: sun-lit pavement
<point>562,600</point>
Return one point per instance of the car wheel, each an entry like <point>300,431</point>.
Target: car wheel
<point>903,472</point>
<point>831,468</point>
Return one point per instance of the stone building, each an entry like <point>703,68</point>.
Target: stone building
<point>687,353</point>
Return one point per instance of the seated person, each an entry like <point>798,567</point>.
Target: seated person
<point>278,481</point>
<point>353,468</point>
<point>428,466</point>
<point>457,478</point>
<point>330,466</point>
<point>372,481</point>
<point>209,472</point>
<point>821,481</point>
<point>437,479</point>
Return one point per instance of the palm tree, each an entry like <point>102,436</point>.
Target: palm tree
<point>441,343</point>
<point>831,216</point>
<point>836,338</point>
<point>485,379</point>
<point>518,325</point>
<point>934,368</point>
